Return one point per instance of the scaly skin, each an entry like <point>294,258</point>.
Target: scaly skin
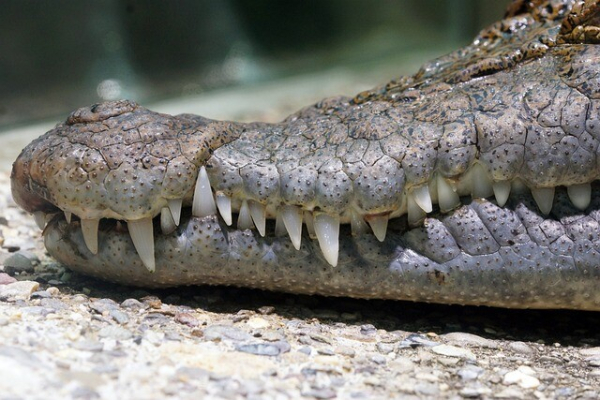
<point>518,108</point>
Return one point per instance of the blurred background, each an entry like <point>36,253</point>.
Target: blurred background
<point>59,55</point>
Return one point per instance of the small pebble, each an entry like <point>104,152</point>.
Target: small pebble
<point>453,351</point>
<point>21,290</point>
<point>521,348</point>
<point>19,263</point>
<point>524,377</point>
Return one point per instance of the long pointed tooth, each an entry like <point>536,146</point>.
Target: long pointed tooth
<point>258,212</point>
<point>544,197</point>
<point>244,218</point>
<point>40,219</point>
<point>175,208</point>
<point>501,191</point>
<point>280,229</point>
<point>89,229</point>
<point>358,224</point>
<point>310,224</point>
<point>142,235</point>
<point>68,216</point>
<point>415,213</point>
<point>481,183</point>
<point>327,229</point>
<point>423,198</point>
<point>292,218</point>
<point>167,222</point>
<point>224,206</point>
<point>580,195</point>
<point>379,225</point>
<point>447,197</point>
<point>204,202</point>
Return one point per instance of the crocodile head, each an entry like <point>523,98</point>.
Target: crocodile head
<point>471,182</point>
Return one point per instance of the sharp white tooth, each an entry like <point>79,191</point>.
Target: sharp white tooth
<point>244,218</point>
<point>258,212</point>
<point>40,219</point>
<point>415,213</point>
<point>204,202</point>
<point>580,195</point>
<point>89,229</point>
<point>544,197</point>
<point>447,197</point>
<point>481,183</point>
<point>292,218</point>
<point>68,216</point>
<point>379,225</point>
<point>310,224</point>
<point>501,191</point>
<point>167,222</point>
<point>327,229</point>
<point>423,198</point>
<point>358,224</point>
<point>142,236</point>
<point>175,208</point>
<point>280,229</point>
<point>224,206</point>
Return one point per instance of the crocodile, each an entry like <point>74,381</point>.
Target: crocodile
<point>474,182</point>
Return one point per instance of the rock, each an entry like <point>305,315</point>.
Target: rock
<point>264,348</point>
<point>416,340</point>
<point>590,352</point>
<point>453,351</point>
<point>5,279</point>
<point>119,316</point>
<point>475,392</point>
<point>224,332</point>
<point>21,290</point>
<point>115,332</point>
<point>257,323</point>
<point>523,376</point>
<point>521,348</point>
<point>469,339</point>
<point>102,306</point>
<point>470,372</point>
<point>20,263</point>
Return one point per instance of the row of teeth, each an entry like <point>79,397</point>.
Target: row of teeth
<point>324,227</point>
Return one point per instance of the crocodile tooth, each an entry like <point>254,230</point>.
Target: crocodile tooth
<point>142,236</point>
<point>167,222</point>
<point>280,229</point>
<point>224,206</point>
<point>501,191</point>
<point>310,224</point>
<point>40,219</point>
<point>175,208</point>
<point>89,229</point>
<point>481,183</point>
<point>580,195</point>
<point>379,225</point>
<point>204,202</point>
<point>292,218</point>
<point>423,198</point>
<point>415,213</point>
<point>447,197</point>
<point>244,218</point>
<point>68,216</point>
<point>544,197</point>
<point>358,224</point>
<point>327,229</point>
<point>258,212</point>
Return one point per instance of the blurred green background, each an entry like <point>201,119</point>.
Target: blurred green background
<point>56,56</point>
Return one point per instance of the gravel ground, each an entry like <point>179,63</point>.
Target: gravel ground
<point>63,335</point>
